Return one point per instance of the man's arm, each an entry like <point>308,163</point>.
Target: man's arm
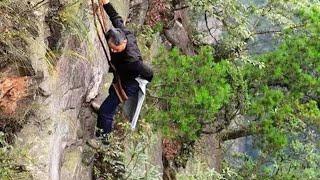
<point>115,18</point>
<point>145,71</point>
<point>139,68</point>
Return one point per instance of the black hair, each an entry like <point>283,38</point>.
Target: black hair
<point>116,36</point>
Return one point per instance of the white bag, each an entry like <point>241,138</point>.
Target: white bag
<point>133,105</point>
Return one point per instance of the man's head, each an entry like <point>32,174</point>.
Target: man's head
<point>117,40</point>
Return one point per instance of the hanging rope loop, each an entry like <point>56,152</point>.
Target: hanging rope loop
<point>101,18</point>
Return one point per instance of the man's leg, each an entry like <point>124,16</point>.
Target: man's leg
<point>109,106</point>
<point>131,88</point>
<point>107,111</point>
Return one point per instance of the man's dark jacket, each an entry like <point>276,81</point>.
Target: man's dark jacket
<point>128,63</point>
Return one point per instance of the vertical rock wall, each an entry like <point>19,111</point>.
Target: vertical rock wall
<point>55,133</point>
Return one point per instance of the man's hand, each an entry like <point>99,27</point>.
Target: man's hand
<point>104,1</point>
<point>95,8</point>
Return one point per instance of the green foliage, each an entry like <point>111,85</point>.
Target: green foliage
<point>242,22</point>
<point>290,80</point>
<point>109,160</point>
<point>140,147</point>
<point>191,90</point>
<point>9,167</point>
<point>278,91</point>
<point>72,17</point>
<point>284,97</point>
<point>199,171</point>
<point>16,28</point>
<point>128,155</point>
<point>146,37</point>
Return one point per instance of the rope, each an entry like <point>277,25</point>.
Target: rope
<point>117,84</point>
<point>104,29</point>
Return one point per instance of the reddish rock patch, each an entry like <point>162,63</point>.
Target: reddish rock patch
<point>159,11</point>
<point>171,148</point>
<point>12,89</point>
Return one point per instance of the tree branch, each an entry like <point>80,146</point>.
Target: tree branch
<point>180,8</point>
<point>277,31</point>
<point>208,132</point>
<point>235,134</point>
<point>209,30</point>
<point>38,4</point>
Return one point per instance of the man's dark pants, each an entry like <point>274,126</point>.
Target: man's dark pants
<point>110,104</point>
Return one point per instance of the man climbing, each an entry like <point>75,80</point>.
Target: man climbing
<point>127,61</point>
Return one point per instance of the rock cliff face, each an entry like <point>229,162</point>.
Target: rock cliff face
<point>48,88</point>
<point>72,71</point>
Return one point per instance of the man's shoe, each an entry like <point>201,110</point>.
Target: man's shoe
<point>104,139</point>
<point>100,139</point>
